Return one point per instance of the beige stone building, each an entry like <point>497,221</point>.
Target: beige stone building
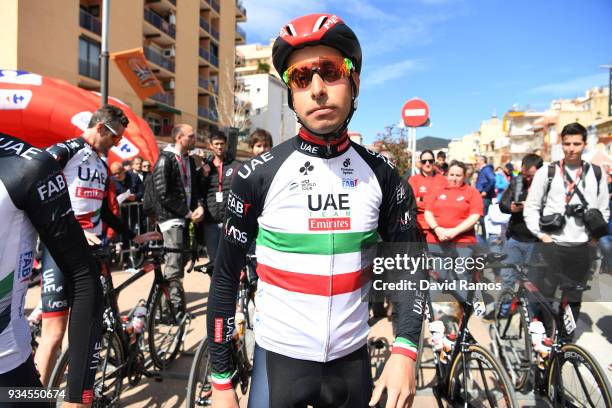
<point>493,139</point>
<point>465,149</point>
<point>190,46</point>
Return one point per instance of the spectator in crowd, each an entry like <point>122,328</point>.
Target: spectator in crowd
<point>561,197</point>
<point>127,165</point>
<point>179,202</point>
<point>125,181</point>
<point>453,210</point>
<point>605,243</point>
<point>501,182</point>
<point>520,241</point>
<point>485,184</point>
<point>496,223</point>
<point>137,168</point>
<point>441,164</point>
<point>260,141</point>
<point>219,171</point>
<point>146,169</point>
<point>424,183</point>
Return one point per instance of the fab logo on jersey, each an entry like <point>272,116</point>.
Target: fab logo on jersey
<point>329,212</point>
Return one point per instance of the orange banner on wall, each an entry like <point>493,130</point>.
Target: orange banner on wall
<point>135,69</point>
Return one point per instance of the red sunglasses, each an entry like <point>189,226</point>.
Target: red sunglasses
<point>330,69</point>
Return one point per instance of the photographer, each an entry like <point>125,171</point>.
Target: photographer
<point>567,206</point>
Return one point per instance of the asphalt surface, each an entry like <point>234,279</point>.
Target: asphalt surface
<point>594,332</point>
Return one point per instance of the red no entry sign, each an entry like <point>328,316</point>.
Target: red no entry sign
<point>415,113</point>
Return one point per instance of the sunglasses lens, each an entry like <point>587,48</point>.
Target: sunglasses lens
<point>427,161</point>
<point>330,70</point>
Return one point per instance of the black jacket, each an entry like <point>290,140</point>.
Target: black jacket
<point>171,197</point>
<point>517,228</point>
<point>215,212</point>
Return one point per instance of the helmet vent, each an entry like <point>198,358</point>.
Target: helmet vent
<point>319,23</point>
<point>291,30</point>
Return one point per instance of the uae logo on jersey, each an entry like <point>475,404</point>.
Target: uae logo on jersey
<point>307,167</point>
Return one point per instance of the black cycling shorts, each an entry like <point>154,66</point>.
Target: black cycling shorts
<point>342,383</point>
<point>52,290</point>
<point>25,375</point>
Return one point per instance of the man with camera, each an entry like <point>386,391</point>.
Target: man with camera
<point>567,207</point>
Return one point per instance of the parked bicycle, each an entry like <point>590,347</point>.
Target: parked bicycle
<point>566,373</point>
<point>199,387</point>
<point>466,374</point>
<point>153,325</point>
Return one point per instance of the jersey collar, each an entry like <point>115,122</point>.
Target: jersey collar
<point>311,145</point>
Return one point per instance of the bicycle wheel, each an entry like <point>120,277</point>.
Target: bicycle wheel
<point>199,388</point>
<point>109,373</point>
<point>514,341</point>
<point>575,379</point>
<point>487,384</point>
<point>164,329</point>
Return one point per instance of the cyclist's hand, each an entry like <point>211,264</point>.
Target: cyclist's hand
<point>147,236</point>
<point>546,239</point>
<point>399,379</point>
<point>224,399</point>
<point>92,239</point>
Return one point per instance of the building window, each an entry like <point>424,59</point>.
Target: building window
<point>89,58</point>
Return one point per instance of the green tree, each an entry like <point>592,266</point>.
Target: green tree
<point>263,68</point>
<point>398,148</point>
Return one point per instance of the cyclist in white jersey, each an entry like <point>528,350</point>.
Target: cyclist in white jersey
<point>88,181</point>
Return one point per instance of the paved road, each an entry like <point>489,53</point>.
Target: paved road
<point>594,328</point>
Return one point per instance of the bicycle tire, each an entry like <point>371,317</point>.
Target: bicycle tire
<point>478,353</point>
<point>199,376</point>
<point>161,314</point>
<point>101,399</point>
<point>574,354</point>
<point>522,381</point>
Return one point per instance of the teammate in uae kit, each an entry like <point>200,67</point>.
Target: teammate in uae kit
<point>312,203</point>
<point>34,199</point>
<point>87,182</point>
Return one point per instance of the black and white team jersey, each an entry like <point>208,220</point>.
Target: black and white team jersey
<point>312,207</point>
<point>34,200</point>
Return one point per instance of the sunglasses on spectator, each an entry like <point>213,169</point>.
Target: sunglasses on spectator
<point>330,69</point>
<point>430,161</point>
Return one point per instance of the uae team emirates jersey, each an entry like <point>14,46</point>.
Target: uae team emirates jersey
<point>311,207</point>
<point>87,178</point>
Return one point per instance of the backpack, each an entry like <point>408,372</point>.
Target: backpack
<point>551,175</point>
<point>149,200</point>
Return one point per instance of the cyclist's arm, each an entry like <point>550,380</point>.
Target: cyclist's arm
<point>240,229</point>
<point>397,223</point>
<point>49,211</point>
<point>107,215</point>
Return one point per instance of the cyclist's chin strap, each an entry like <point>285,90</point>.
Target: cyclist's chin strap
<point>338,133</point>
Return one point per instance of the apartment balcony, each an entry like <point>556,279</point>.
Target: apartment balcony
<point>240,35</point>
<point>214,60</point>
<point>89,69</point>
<point>161,6</point>
<point>204,25</point>
<point>89,22</point>
<point>204,5</point>
<point>241,14</point>
<point>155,57</point>
<point>215,5</point>
<point>158,22</point>
<point>165,98</point>
<point>203,112</point>
<point>203,82</point>
<point>204,55</point>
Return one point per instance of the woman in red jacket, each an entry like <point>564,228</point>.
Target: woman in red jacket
<point>452,211</point>
<point>423,184</point>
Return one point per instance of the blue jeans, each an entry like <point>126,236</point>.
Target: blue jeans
<point>212,235</point>
<point>518,252</point>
